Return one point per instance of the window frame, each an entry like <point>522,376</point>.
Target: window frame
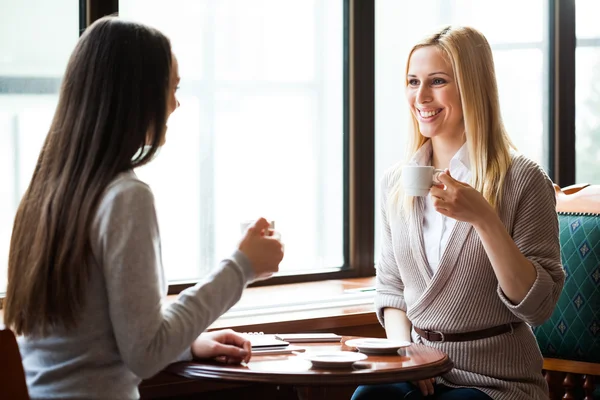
<point>561,89</point>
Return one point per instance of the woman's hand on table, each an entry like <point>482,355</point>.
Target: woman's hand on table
<point>224,345</point>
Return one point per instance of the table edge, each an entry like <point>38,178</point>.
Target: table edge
<point>378,377</point>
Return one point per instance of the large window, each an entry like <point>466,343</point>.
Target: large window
<point>587,101</point>
<point>518,55</point>
<point>259,131</point>
<point>277,116</point>
<point>36,39</point>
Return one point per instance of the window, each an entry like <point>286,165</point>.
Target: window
<point>587,92</point>
<point>522,87</point>
<point>272,123</point>
<point>259,131</point>
<point>32,63</point>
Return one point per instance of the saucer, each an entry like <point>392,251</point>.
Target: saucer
<point>377,345</point>
<point>334,359</point>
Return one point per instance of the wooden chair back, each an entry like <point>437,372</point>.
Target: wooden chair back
<point>582,198</point>
<point>12,375</point>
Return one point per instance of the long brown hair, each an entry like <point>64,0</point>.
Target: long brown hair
<point>488,143</point>
<point>110,118</point>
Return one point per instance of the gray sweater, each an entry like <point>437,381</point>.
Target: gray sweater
<point>464,295</point>
<point>126,332</point>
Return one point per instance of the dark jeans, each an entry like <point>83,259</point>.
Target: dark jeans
<point>407,390</point>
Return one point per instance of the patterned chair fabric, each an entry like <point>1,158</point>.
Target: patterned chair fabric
<point>573,331</point>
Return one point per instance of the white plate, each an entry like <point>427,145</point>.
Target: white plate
<point>377,345</point>
<point>334,359</point>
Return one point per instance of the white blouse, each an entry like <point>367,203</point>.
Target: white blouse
<point>437,227</point>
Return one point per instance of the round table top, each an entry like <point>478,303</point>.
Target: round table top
<point>411,363</point>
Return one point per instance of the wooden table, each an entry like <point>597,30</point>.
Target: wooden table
<point>412,363</point>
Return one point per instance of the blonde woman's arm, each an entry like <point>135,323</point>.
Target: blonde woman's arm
<point>526,262</point>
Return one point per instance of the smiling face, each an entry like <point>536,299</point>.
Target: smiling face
<point>433,95</point>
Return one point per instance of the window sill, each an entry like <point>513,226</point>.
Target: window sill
<point>326,304</point>
<point>336,302</point>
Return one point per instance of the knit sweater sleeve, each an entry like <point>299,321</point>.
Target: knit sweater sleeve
<point>150,334</point>
<point>389,284</point>
<point>536,233</point>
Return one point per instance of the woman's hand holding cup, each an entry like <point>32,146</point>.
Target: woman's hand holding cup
<point>263,249</point>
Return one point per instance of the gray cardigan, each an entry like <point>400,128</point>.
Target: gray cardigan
<point>464,295</point>
<point>126,331</point>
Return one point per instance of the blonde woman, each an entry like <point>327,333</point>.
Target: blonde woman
<point>484,263</point>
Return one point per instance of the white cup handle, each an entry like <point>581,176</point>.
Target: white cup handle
<point>436,173</point>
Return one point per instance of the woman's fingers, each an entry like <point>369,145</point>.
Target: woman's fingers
<point>426,386</point>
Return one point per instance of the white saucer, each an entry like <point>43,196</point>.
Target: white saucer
<point>377,345</point>
<point>333,359</point>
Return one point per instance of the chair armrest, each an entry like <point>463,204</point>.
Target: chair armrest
<point>581,198</point>
<point>572,188</point>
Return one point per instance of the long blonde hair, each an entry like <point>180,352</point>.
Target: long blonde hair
<point>487,141</point>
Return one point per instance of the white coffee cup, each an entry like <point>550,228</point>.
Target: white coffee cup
<point>417,180</point>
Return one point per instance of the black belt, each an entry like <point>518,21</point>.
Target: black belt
<point>435,336</point>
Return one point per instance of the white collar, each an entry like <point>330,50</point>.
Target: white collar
<point>460,164</point>
<point>461,157</point>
